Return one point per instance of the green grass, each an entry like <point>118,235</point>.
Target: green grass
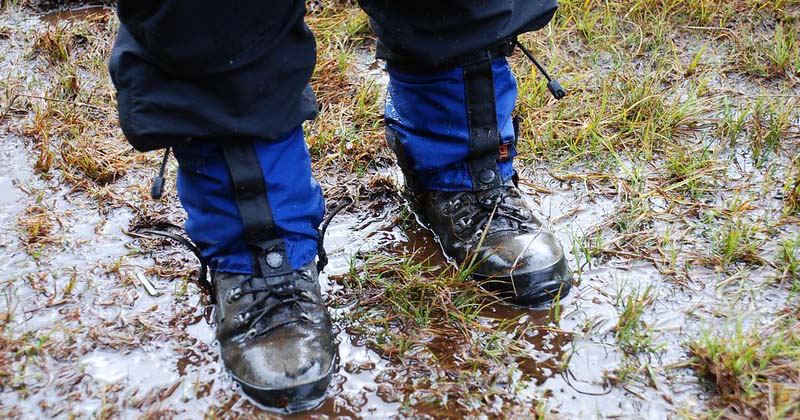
<point>414,314</point>
<point>736,241</point>
<point>774,55</point>
<point>788,263</point>
<point>791,188</point>
<point>753,371</point>
<point>631,331</point>
<point>637,340</point>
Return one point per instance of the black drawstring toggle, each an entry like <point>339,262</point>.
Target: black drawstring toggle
<point>157,189</point>
<point>552,85</point>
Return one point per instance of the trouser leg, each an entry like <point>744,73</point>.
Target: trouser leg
<point>203,69</point>
<point>451,91</point>
<point>198,76</point>
<point>431,34</point>
<point>454,130</point>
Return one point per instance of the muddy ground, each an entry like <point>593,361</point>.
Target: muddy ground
<point>670,173</point>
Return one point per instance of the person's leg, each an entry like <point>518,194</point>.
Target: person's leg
<point>227,89</point>
<point>449,120</point>
<point>273,328</point>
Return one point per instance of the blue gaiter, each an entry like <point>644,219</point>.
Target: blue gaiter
<point>428,114</point>
<point>206,192</point>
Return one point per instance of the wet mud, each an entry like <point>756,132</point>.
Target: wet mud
<point>81,336</point>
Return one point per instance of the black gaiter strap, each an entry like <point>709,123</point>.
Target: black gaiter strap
<point>261,234</point>
<point>484,136</point>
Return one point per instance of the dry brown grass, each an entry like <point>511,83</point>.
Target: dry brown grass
<point>36,226</point>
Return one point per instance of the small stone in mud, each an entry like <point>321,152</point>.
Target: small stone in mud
<point>351,367</point>
<point>355,367</point>
<point>388,393</point>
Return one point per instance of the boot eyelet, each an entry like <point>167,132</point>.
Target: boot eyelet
<point>233,295</point>
<point>241,319</point>
<point>464,223</point>
<point>307,318</point>
<point>250,334</point>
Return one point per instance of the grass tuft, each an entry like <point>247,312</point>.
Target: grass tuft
<point>754,372</point>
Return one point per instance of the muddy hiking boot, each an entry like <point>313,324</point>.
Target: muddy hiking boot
<point>276,337</point>
<point>514,254</point>
<point>454,135</point>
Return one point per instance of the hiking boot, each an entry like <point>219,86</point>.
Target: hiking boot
<point>518,257</point>
<point>276,337</point>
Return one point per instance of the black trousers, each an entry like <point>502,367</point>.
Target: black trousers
<point>214,70</point>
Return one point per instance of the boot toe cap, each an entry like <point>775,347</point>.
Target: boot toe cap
<point>530,267</point>
<point>288,368</point>
<point>280,360</point>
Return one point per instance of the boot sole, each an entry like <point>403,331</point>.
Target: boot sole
<point>290,400</point>
<point>544,292</point>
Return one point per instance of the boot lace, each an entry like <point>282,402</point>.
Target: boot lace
<point>274,299</point>
<point>265,313</point>
<point>471,211</point>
